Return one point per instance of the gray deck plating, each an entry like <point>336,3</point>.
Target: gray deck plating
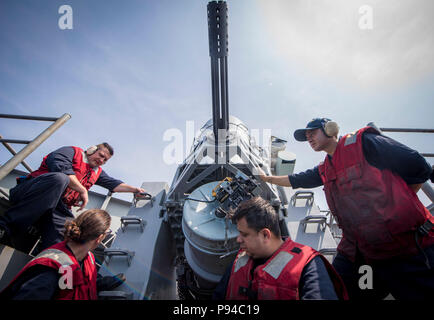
<point>151,274</point>
<point>313,234</point>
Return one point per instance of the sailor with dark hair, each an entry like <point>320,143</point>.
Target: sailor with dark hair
<point>45,196</point>
<point>268,267</point>
<point>370,182</point>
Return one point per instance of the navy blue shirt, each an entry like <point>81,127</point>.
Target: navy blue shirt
<point>383,153</point>
<point>37,283</point>
<point>61,159</point>
<point>315,282</point>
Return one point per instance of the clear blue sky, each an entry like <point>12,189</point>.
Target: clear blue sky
<point>130,70</point>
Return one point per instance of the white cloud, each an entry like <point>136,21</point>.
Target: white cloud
<point>325,37</point>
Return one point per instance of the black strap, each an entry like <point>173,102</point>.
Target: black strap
<point>421,232</point>
<point>424,229</point>
<point>243,291</point>
<point>252,295</point>
<point>296,250</point>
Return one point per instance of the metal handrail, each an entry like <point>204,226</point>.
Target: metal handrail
<point>14,153</point>
<point>426,187</point>
<point>31,145</point>
<point>23,117</point>
<point>408,130</point>
<point>428,155</point>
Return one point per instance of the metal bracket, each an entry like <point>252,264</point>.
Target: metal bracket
<point>308,195</point>
<point>146,196</point>
<point>328,252</point>
<point>328,215</point>
<point>115,295</point>
<point>112,252</point>
<point>320,219</point>
<point>126,220</point>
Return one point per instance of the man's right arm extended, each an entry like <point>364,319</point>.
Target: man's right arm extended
<point>307,179</point>
<point>279,180</point>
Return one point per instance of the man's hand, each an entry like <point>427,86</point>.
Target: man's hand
<point>123,187</point>
<point>279,180</point>
<point>139,190</point>
<point>261,174</point>
<point>139,193</point>
<point>74,184</point>
<point>84,199</point>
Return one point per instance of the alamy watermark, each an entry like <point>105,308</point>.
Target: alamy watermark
<point>236,141</point>
<point>366,280</point>
<point>65,21</point>
<point>66,278</point>
<point>366,20</point>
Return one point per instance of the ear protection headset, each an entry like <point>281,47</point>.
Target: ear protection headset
<point>91,150</point>
<point>331,128</point>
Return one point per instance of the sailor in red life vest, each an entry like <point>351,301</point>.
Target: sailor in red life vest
<point>45,196</point>
<point>270,268</point>
<point>370,182</point>
<point>66,270</point>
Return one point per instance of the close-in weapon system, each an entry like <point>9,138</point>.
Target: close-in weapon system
<point>177,241</point>
<point>189,239</point>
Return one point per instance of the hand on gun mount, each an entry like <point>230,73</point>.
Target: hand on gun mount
<point>142,195</point>
<point>262,175</point>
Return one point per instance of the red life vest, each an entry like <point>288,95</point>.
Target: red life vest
<point>83,281</point>
<point>83,171</point>
<point>279,277</point>
<point>376,210</point>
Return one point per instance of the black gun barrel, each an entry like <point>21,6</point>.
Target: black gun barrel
<point>218,51</point>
